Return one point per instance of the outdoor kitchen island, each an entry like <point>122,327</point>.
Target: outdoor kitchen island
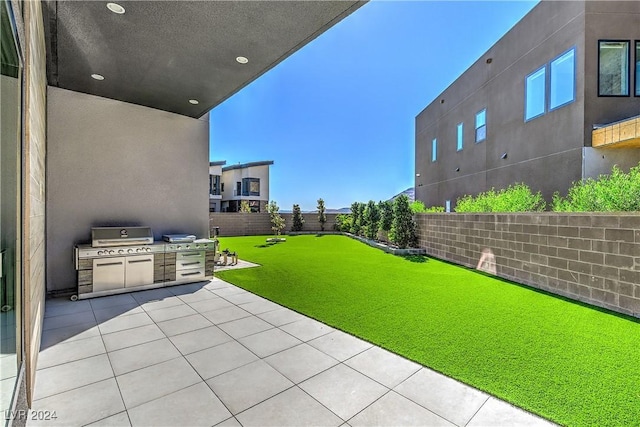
<point>125,259</point>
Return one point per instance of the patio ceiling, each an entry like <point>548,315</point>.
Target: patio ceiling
<point>161,54</point>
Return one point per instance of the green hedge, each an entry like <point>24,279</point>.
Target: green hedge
<point>618,192</point>
<point>515,198</point>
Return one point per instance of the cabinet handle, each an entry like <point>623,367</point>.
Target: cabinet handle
<point>139,260</point>
<point>190,263</point>
<point>191,254</point>
<point>190,274</point>
<point>108,263</point>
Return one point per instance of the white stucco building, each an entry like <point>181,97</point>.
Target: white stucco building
<point>230,185</point>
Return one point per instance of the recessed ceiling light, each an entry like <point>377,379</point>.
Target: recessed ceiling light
<point>242,60</point>
<point>194,101</point>
<point>97,76</point>
<point>115,8</point>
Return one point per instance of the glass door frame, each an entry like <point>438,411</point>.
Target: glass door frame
<point>20,207</point>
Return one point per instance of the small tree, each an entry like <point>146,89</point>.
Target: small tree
<point>277,222</point>
<point>386,216</point>
<point>297,219</point>
<point>244,207</point>
<point>356,220</point>
<point>322,217</point>
<point>371,218</point>
<point>403,228</point>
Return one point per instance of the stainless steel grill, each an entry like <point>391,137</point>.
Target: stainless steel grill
<point>126,258</point>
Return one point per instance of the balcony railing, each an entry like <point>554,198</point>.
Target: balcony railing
<point>237,193</point>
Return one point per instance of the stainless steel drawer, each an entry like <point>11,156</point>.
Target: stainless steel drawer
<point>191,274</point>
<point>191,255</point>
<point>190,260</point>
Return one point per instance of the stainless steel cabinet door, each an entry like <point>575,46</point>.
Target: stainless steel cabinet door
<point>108,273</point>
<point>139,270</point>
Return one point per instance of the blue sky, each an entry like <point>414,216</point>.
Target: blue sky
<point>337,117</point>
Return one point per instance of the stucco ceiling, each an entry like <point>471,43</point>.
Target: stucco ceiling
<point>161,54</point>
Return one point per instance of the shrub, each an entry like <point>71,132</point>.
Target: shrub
<point>297,219</point>
<point>403,228</point>
<point>322,216</point>
<point>434,209</point>
<point>417,207</point>
<point>515,198</point>
<point>617,192</point>
<point>371,217</point>
<point>245,207</point>
<point>343,223</point>
<point>277,222</point>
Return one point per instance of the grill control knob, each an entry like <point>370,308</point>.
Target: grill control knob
<point>187,246</point>
<point>178,247</point>
<point>147,249</point>
<point>111,251</point>
<point>100,252</point>
<point>130,251</point>
<point>121,251</point>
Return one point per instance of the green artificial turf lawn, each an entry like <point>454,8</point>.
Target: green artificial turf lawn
<point>565,361</point>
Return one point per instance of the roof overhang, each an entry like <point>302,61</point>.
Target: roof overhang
<point>247,165</point>
<point>162,54</point>
<point>623,134</point>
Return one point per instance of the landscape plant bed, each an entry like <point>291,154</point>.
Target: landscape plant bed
<point>566,361</point>
<point>276,239</point>
<point>386,247</point>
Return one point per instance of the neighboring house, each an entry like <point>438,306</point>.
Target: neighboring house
<point>245,182</point>
<point>105,122</point>
<point>215,185</point>
<point>554,101</point>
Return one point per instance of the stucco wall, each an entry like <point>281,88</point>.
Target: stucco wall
<point>594,258</point>
<point>609,20</point>
<point>253,224</point>
<point>545,152</point>
<point>114,163</point>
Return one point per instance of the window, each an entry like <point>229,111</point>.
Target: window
<point>481,125</point>
<point>562,82</point>
<point>434,150</point>
<point>637,68</point>
<point>250,186</point>
<point>238,188</point>
<point>613,68</point>
<point>214,185</point>
<point>460,137</point>
<point>447,205</point>
<point>535,93</point>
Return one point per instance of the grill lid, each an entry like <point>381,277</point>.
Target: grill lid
<point>102,237</point>
<point>179,238</point>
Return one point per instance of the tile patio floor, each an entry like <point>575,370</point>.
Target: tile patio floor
<point>213,354</point>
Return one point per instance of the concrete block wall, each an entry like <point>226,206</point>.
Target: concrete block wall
<point>253,224</point>
<point>593,258</point>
